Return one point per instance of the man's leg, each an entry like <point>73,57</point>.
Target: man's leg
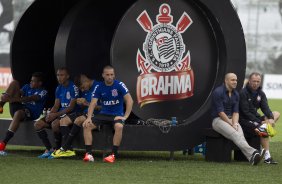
<point>117,137</point>
<point>87,133</point>
<point>74,131</point>
<point>57,134</point>
<point>12,91</point>
<point>65,122</point>
<point>236,136</point>
<point>276,116</point>
<point>65,151</point>
<point>14,125</point>
<point>40,126</point>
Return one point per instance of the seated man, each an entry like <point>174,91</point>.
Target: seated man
<point>86,86</point>
<point>112,94</point>
<point>65,102</point>
<point>253,98</point>
<point>225,114</point>
<point>26,103</point>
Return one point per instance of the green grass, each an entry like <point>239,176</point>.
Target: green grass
<point>22,166</point>
<point>134,167</point>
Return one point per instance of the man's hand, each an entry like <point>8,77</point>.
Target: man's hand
<point>51,116</point>
<point>81,101</point>
<point>120,118</point>
<point>271,121</point>
<point>235,126</point>
<point>87,122</point>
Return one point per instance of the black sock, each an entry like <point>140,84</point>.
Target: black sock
<point>88,149</point>
<point>115,150</point>
<point>74,131</point>
<point>65,130</point>
<point>42,134</point>
<point>58,139</point>
<point>9,135</point>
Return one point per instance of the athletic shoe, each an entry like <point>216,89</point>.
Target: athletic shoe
<point>3,153</point>
<point>46,154</point>
<point>262,153</point>
<point>88,158</point>
<point>255,159</point>
<point>262,132</point>
<point>270,161</point>
<point>62,153</point>
<point>110,158</point>
<point>2,146</point>
<point>1,109</point>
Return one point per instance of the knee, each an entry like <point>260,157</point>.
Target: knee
<point>79,120</point>
<point>15,83</point>
<point>65,121</point>
<point>38,125</point>
<point>118,127</point>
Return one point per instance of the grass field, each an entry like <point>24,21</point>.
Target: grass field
<point>22,166</point>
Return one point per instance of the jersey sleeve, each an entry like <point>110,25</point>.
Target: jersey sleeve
<point>97,92</point>
<point>123,88</point>
<point>74,92</point>
<point>25,89</point>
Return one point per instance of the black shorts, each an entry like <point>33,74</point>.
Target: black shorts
<point>104,119</point>
<point>14,107</point>
<point>73,115</point>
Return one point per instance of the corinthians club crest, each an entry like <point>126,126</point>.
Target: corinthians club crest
<point>166,73</point>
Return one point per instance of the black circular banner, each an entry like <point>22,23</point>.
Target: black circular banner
<point>167,55</point>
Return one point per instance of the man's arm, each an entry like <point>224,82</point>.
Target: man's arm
<point>67,109</point>
<point>25,99</point>
<point>245,109</point>
<point>265,108</point>
<point>225,118</point>
<point>128,103</point>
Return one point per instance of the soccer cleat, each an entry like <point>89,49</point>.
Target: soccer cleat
<point>110,158</point>
<point>62,153</point>
<point>88,158</point>
<point>1,109</point>
<point>262,153</point>
<point>262,132</point>
<point>46,154</point>
<point>3,153</point>
<point>2,146</point>
<point>270,161</point>
<point>255,159</point>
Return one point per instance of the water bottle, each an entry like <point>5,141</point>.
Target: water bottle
<point>173,121</point>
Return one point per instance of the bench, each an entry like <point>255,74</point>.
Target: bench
<point>219,149</point>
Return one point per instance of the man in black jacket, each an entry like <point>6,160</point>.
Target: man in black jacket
<point>253,98</point>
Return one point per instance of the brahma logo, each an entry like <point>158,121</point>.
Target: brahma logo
<point>165,73</point>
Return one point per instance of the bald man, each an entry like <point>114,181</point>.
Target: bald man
<point>225,114</point>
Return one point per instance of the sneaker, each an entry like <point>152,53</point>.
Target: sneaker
<point>262,132</point>
<point>46,154</point>
<point>110,158</point>
<point>255,159</point>
<point>3,153</point>
<point>62,153</point>
<point>88,158</point>
<point>1,109</point>
<point>2,146</point>
<point>270,161</point>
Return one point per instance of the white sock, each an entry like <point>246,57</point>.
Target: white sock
<point>267,155</point>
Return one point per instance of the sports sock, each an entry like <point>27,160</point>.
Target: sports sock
<point>9,135</point>
<point>115,150</point>
<point>42,134</point>
<point>267,155</point>
<point>74,131</point>
<point>58,139</point>
<point>65,130</point>
<point>88,149</point>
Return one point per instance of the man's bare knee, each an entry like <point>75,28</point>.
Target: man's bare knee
<point>66,121</point>
<point>79,120</point>
<point>38,125</point>
<point>55,126</point>
<point>118,127</point>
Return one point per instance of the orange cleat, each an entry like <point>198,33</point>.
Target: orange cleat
<point>110,159</point>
